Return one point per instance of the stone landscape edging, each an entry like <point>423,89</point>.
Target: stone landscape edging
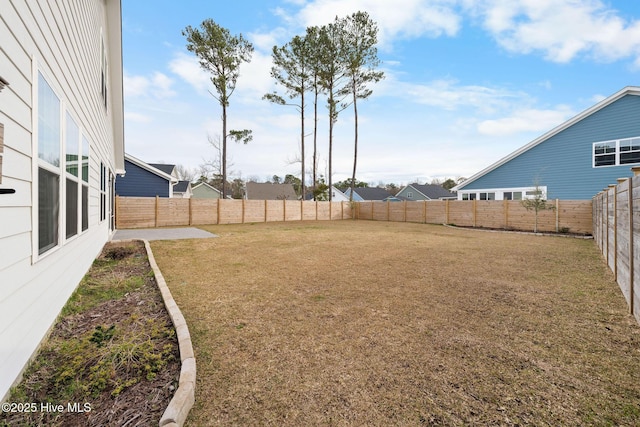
<point>184,397</point>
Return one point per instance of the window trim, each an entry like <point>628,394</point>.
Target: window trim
<point>617,153</point>
<point>104,71</point>
<point>37,164</point>
<point>1,149</point>
<point>498,193</point>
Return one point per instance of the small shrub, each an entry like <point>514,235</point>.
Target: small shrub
<point>101,335</point>
<point>119,252</point>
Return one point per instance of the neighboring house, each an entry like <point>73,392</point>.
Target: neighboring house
<point>269,191</point>
<point>425,192</point>
<point>62,143</point>
<point>336,195</point>
<point>144,180</point>
<point>573,161</point>
<point>203,190</point>
<point>183,190</point>
<point>166,168</point>
<point>361,194</point>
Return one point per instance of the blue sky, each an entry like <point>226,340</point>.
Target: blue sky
<point>467,82</point>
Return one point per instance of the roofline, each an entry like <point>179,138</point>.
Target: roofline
<point>628,90</point>
<point>411,185</point>
<point>114,39</point>
<point>204,183</point>
<point>150,168</point>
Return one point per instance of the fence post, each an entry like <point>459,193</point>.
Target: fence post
<point>557,215</point>
<point>424,212</point>
<point>388,207</point>
<point>631,253</point>
<point>474,213</point>
<point>218,208</point>
<point>117,211</point>
<point>505,209</point>
<point>190,212</point>
<point>156,211</point>
<point>284,210</point>
<point>615,232</point>
<point>446,211</point>
<point>242,211</point>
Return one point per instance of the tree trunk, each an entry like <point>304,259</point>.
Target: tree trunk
<point>355,143</point>
<point>302,160</point>
<point>224,150</point>
<point>315,141</point>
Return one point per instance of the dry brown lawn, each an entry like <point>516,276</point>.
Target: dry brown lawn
<point>380,324</point>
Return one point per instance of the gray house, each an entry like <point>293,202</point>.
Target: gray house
<point>425,192</point>
<point>205,191</point>
<point>573,161</point>
<point>269,191</point>
<point>361,194</point>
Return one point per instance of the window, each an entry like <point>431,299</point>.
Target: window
<point>103,73</point>
<point>468,196</point>
<point>409,195</point>
<point>616,153</point>
<point>630,151</point>
<point>1,148</point>
<point>512,195</point>
<point>63,171</point>
<point>487,196</point>
<point>72,157</point>
<point>49,136</point>
<point>85,183</point>
<point>103,192</point>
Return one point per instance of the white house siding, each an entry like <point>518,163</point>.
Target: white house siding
<point>62,41</point>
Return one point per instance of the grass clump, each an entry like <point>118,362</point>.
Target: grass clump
<point>113,347</point>
<point>104,284</point>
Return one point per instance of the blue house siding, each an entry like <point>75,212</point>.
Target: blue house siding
<point>138,182</point>
<point>564,162</point>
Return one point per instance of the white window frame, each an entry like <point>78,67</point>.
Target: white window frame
<point>499,193</point>
<point>104,71</point>
<point>617,153</point>
<point>1,149</point>
<point>60,170</point>
<point>69,176</point>
<point>38,164</point>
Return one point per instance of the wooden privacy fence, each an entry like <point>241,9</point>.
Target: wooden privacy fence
<point>616,230</point>
<point>574,216</point>
<point>141,212</point>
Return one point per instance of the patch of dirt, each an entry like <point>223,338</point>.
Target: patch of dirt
<point>113,353</point>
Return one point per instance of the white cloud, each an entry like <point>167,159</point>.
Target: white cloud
<point>526,120</point>
<point>157,86</point>
<point>397,19</point>
<point>188,68</point>
<point>137,117</point>
<point>449,94</point>
<point>253,82</point>
<point>560,29</point>
<point>266,40</point>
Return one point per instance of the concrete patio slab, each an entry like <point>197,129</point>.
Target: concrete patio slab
<point>162,234</point>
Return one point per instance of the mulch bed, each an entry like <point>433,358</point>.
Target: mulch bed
<point>142,396</point>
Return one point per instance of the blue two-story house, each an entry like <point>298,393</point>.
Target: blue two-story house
<point>573,161</point>
<point>144,180</point>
